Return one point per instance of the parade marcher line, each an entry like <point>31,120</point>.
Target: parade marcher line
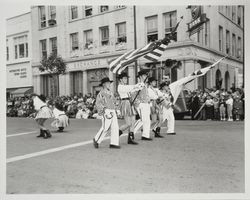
<point>40,153</point>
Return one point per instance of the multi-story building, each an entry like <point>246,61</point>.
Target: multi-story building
<point>18,55</point>
<point>89,37</point>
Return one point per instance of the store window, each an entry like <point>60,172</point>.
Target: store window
<point>152,29</point>
<point>43,47</point>
<point>21,46</point>
<point>170,20</point>
<point>121,33</point>
<point>74,41</point>
<point>88,11</point>
<point>74,12</point>
<point>104,35</point>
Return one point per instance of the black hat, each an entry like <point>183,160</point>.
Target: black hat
<point>164,84</point>
<point>42,97</point>
<point>105,80</point>
<point>120,76</point>
<point>151,79</point>
<point>143,72</point>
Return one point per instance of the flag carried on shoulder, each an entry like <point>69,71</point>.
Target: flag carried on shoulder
<point>152,51</point>
<point>177,86</point>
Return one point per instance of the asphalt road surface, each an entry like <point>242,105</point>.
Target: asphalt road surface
<point>204,157</point>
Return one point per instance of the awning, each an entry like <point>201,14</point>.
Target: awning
<point>21,91</point>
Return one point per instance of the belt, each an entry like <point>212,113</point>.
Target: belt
<point>125,98</point>
<point>42,107</point>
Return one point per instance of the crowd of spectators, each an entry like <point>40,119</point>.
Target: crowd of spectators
<point>212,104</point>
<point>217,104</point>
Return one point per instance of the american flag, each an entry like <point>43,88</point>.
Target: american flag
<point>177,86</point>
<point>152,51</point>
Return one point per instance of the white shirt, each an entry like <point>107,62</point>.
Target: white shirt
<point>124,90</point>
<point>57,112</point>
<point>154,93</point>
<point>230,101</point>
<point>38,103</point>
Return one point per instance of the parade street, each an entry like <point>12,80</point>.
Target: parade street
<point>204,157</point>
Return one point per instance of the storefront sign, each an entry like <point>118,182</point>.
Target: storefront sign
<point>19,75</point>
<point>89,64</point>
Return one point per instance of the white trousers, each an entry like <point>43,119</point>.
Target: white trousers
<point>106,125</point>
<point>168,114</point>
<point>144,112</point>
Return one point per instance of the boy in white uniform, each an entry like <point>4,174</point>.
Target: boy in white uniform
<point>154,94</point>
<point>142,105</point>
<point>167,109</point>
<point>127,110</point>
<point>105,104</point>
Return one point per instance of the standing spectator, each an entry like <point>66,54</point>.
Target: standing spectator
<point>222,106</point>
<point>209,104</point>
<point>229,103</point>
<point>203,111</point>
<point>216,108</point>
<point>237,108</point>
<point>194,104</point>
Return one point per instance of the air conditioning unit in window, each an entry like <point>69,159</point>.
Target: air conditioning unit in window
<point>52,22</point>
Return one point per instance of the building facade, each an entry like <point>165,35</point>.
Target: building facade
<point>18,55</point>
<point>89,37</point>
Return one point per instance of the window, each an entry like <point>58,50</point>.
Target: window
<point>16,53</point>
<point>104,8</point>
<point>207,33</point>
<point>74,41</point>
<point>88,38</point>
<point>88,11</point>
<point>74,12</point>
<point>170,20</point>
<point>239,48</point>
<point>42,16</point>
<point>220,38</point>
<point>43,49</point>
<point>233,45</point>
<point>21,46</point>
<point>27,49</point>
<point>152,29</point>
<point>234,13</point>
<point>228,11</point>
<point>228,42</point>
<point>239,13</point>
<point>120,6</point>
<point>104,35</point>
<point>221,9</point>
<point>53,45</point>
<point>7,50</point>
<point>52,12</point>
<point>121,33</point>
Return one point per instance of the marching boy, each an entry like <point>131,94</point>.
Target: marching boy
<point>105,104</point>
<point>127,110</point>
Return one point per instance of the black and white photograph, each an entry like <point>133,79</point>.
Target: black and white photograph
<point>130,99</point>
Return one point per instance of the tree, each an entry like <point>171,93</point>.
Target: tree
<point>55,66</point>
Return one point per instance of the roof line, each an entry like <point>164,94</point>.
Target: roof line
<point>18,15</point>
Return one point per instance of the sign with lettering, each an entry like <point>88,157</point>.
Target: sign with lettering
<point>19,75</point>
<point>87,64</point>
<point>198,19</point>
